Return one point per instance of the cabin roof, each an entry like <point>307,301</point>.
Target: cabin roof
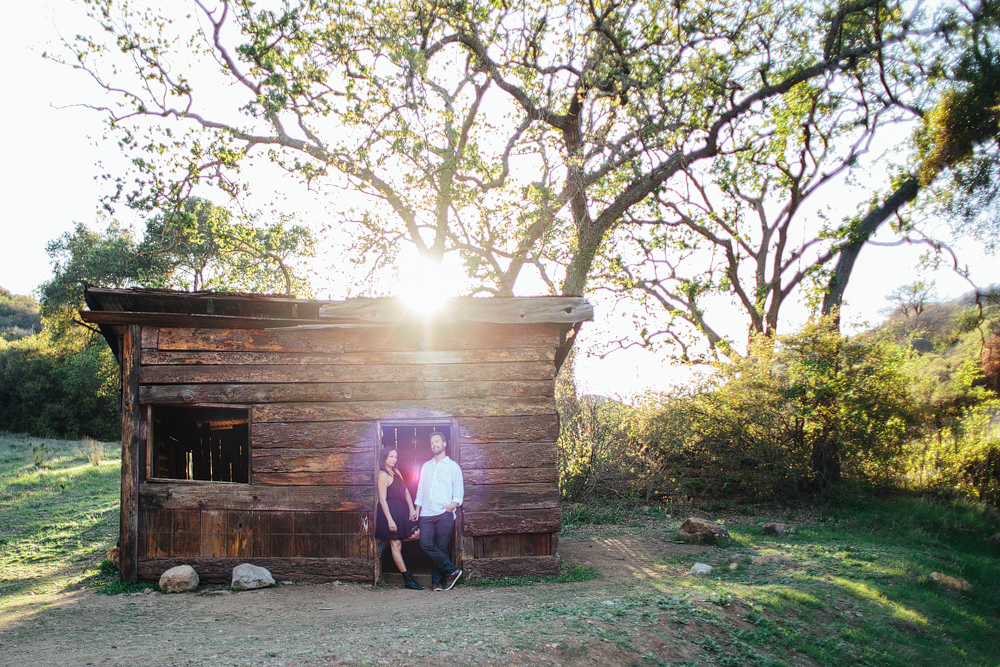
<point>113,309</point>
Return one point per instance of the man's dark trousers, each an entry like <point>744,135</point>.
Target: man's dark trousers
<point>435,536</point>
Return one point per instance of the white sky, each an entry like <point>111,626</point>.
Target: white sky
<point>52,155</point>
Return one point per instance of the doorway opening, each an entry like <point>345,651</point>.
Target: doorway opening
<point>412,442</point>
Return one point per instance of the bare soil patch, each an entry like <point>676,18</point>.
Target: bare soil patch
<point>596,622</point>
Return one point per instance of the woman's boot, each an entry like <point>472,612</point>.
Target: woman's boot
<point>409,582</point>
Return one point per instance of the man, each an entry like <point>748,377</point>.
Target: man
<point>439,492</point>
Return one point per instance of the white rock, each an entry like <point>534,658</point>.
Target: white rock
<point>247,577</point>
<point>179,579</point>
<point>701,568</point>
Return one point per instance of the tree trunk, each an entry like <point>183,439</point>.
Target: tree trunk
<point>860,235</point>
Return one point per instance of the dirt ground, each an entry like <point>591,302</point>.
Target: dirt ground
<point>598,622</point>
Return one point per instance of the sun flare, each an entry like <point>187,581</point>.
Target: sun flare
<point>425,284</point>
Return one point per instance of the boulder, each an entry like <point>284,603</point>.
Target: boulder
<point>700,530</point>
<point>179,579</point>
<point>700,568</point>
<point>247,577</point>
<point>951,582</point>
<point>778,528</point>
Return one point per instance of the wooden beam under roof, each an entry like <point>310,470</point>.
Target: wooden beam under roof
<point>515,310</point>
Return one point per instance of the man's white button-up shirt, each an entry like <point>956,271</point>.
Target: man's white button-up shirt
<point>440,484</point>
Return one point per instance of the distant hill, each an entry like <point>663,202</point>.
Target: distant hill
<point>19,316</point>
<point>951,333</point>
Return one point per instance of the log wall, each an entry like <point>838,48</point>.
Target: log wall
<point>315,399</point>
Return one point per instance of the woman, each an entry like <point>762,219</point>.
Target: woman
<point>397,522</point>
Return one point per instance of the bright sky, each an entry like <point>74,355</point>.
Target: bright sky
<point>53,154</point>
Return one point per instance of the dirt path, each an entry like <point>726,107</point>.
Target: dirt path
<point>593,622</point>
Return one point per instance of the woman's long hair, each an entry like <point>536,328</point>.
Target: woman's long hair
<point>385,467</point>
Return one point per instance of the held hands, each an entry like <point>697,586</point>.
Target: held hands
<point>414,515</point>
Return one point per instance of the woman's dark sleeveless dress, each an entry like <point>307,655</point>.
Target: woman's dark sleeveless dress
<point>395,498</point>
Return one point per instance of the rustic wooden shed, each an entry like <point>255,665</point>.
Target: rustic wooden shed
<point>252,426</point>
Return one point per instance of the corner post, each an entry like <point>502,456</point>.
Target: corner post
<point>128,538</point>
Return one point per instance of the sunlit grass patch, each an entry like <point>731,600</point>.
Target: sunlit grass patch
<point>53,518</point>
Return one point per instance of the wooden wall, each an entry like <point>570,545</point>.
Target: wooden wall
<point>315,398</point>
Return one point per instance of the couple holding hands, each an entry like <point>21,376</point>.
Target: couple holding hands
<point>429,519</point>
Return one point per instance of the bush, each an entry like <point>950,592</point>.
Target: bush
<point>50,390</point>
<point>796,414</point>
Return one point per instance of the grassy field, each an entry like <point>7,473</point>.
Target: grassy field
<point>58,511</point>
<point>857,590</point>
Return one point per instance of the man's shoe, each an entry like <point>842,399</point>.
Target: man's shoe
<point>438,586</point>
<point>452,579</point>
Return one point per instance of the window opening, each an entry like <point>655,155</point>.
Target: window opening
<point>203,444</point>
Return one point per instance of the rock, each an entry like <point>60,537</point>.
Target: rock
<point>733,566</point>
<point>951,582</point>
<point>700,568</point>
<point>767,559</point>
<point>994,539</point>
<point>737,558</point>
<point>113,556</point>
<point>248,577</point>
<point>700,530</point>
<point>778,528</point>
<point>179,579</point>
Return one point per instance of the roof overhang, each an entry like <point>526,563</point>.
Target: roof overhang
<point>114,309</point>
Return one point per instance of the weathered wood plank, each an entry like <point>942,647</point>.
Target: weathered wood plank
<point>150,339</point>
<point>495,497</point>
<point>507,546</point>
<point>446,407</point>
<point>255,340</point>
<point>220,570</point>
<point>466,336</point>
<point>363,339</point>
<point>509,455</point>
<point>511,475</point>
<point>352,436</point>
<point>128,533</point>
<point>516,310</point>
<point>522,521</point>
<point>169,320</point>
<point>336,478</point>
<point>313,460</point>
<point>215,496</point>
<point>540,428</point>
<point>152,357</point>
<point>227,374</point>
<point>527,566</point>
<point>186,533</point>
<point>241,394</point>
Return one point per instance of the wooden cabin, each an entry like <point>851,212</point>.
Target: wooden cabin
<point>252,425</point>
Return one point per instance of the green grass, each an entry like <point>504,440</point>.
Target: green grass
<point>859,593</point>
<point>569,573</point>
<point>58,512</point>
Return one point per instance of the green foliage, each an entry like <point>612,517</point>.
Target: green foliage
<point>110,258</point>
<point>519,135</point>
<point>19,316</point>
<point>196,246</point>
<point>795,414</point>
<point>49,390</point>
